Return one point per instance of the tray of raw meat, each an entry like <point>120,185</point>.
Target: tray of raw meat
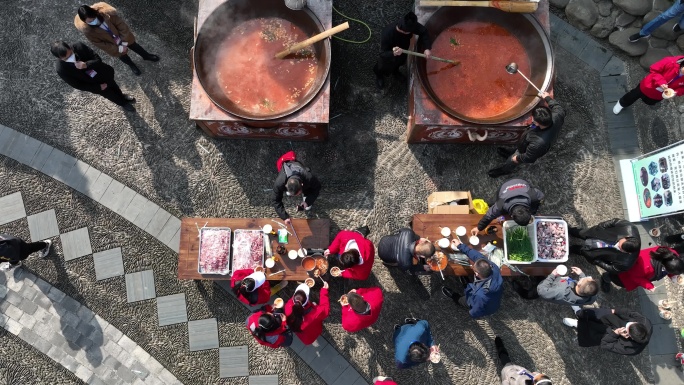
<point>552,244</point>
<point>214,250</point>
<point>248,249</point>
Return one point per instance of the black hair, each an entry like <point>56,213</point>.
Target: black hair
<point>521,215</point>
<point>267,323</point>
<point>246,289</point>
<point>631,244</point>
<point>59,49</point>
<point>293,186</point>
<point>591,288</point>
<point>542,115</point>
<point>350,258</point>
<point>295,320</point>
<point>419,352</point>
<point>86,12</point>
<point>483,268</point>
<point>638,333</point>
<point>357,303</point>
<point>670,260</point>
<point>409,22</point>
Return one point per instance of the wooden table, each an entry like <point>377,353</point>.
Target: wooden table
<point>428,226</point>
<point>314,233</point>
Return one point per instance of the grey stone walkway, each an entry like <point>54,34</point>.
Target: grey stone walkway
<point>72,335</point>
<point>323,358</point>
<point>624,144</point>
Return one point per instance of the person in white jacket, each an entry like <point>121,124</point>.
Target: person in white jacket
<point>512,374</point>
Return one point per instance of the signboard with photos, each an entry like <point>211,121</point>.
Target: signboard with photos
<point>659,181</point>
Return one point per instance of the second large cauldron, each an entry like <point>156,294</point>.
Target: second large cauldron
<point>234,58</point>
<point>485,40</point>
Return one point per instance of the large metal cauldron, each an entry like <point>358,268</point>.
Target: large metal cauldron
<point>531,35</point>
<point>229,15</point>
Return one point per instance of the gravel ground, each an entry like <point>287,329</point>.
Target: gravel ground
<point>370,176</point>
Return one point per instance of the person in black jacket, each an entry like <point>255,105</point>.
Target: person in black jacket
<point>14,250</point>
<point>83,69</point>
<point>406,250</point>
<point>394,38</point>
<point>515,197</point>
<point>618,331</point>
<point>537,140</point>
<point>612,245</point>
<point>294,179</point>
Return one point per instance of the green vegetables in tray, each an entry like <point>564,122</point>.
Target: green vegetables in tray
<point>518,245</point>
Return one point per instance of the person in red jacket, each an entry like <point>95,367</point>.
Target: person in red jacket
<point>653,265</point>
<point>356,254</point>
<point>305,318</point>
<point>664,74</point>
<point>269,328</point>
<point>251,287</point>
<point>363,309</point>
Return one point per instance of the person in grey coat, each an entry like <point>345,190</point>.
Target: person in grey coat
<point>515,197</point>
<point>512,374</point>
<point>567,291</point>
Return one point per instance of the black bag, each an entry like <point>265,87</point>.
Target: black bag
<point>8,248</point>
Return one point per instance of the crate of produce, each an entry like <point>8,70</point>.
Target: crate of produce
<point>552,244</point>
<point>518,243</point>
<point>214,250</point>
<point>248,249</point>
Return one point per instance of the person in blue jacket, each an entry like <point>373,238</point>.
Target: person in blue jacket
<point>483,296</point>
<point>413,343</point>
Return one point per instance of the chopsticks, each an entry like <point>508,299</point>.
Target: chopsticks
<point>277,272</point>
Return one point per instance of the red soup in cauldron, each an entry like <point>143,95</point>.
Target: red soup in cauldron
<point>251,77</point>
<point>479,87</point>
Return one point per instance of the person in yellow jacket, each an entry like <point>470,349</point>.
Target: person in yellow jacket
<point>102,26</point>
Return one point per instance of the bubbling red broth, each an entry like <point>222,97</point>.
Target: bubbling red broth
<point>479,87</point>
<point>251,77</point>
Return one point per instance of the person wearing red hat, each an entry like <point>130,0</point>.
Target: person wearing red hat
<point>363,308</point>
<point>269,328</point>
<point>304,317</point>
<point>250,287</point>
<point>356,254</point>
<point>382,380</point>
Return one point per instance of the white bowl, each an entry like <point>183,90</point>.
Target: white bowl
<point>301,253</point>
<point>269,263</point>
<point>445,231</point>
<point>474,240</point>
<point>561,269</point>
<point>443,243</point>
<point>461,231</point>
<point>292,254</point>
<point>267,229</point>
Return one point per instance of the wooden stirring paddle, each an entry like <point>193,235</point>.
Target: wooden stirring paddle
<point>316,38</point>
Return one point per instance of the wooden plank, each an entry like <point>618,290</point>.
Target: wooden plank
<point>428,226</point>
<point>314,233</point>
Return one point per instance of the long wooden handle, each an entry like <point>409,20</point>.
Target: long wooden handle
<point>454,62</point>
<point>313,39</point>
<point>506,6</point>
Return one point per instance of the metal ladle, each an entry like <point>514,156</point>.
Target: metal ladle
<point>513,68</point>
<point>296,5</point>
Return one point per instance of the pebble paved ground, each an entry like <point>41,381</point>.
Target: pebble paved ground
<point>370,176</point>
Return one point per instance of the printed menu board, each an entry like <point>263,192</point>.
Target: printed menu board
<point>659,181</point>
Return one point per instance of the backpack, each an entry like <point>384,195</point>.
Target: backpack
<point>294,168</point>
<point>8,248</point>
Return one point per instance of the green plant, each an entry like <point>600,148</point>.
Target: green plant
<point>519,245</point>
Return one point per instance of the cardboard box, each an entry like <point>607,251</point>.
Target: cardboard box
<point>441,202</point>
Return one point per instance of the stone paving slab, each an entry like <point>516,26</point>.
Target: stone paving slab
<point>614,67</point>
<point>108,264</point>
<point>76,244</point>
<point>73,336</point>
<point>140,286</point>
<point>11,208</point>
<point>663,340</point>
<point>171,309</point>
<point>349,377</point>
<point>157,223</point>
<point>203,334</point>
<point>25,149</point>
<point>233,362</point>
<point>665,370</point>
<point>264,380</point>
<point>595,55</point>
<point>7,139</point>
<point>43,225</point>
